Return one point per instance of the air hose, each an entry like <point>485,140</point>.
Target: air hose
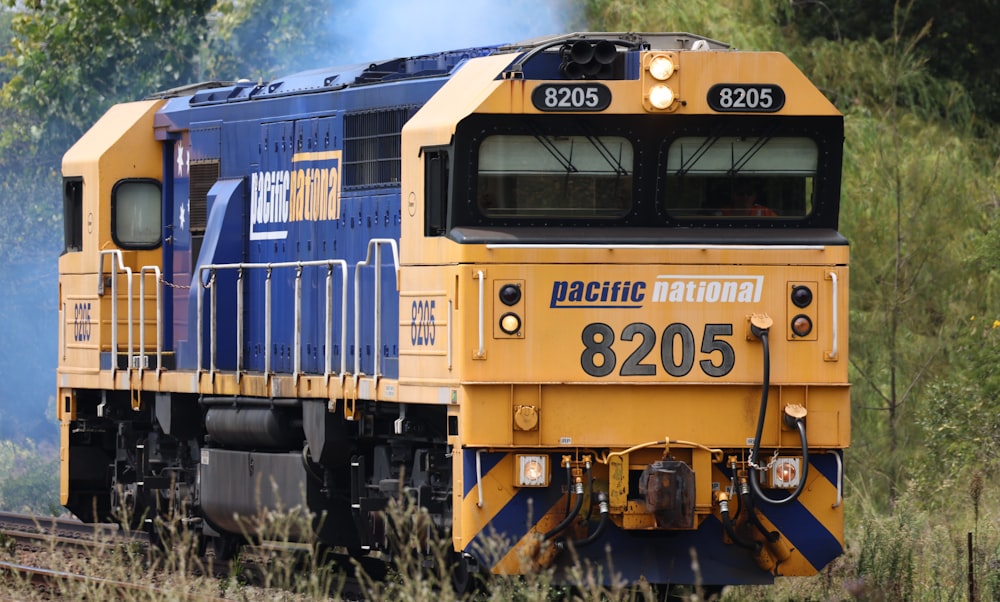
<point>602,500</point>
<point>576,488</point>
<point>759,326</point>
<point>727,524</point>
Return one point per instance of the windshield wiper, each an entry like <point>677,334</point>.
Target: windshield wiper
<point>758,144</point>
<point>603,150</point>
<point>564,161</point>
<point>688,165</point>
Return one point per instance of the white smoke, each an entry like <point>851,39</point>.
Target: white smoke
<point>376,29</point>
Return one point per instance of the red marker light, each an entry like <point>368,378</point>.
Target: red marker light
<point>801,325</point>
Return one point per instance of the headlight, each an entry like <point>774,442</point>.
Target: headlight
<point>510,323</point>
<point>661,68</point>
<point>533,471</point>
<point>510,294</point>
<point>661,96</point>
<point>802,296</point>
<point>785,473</point>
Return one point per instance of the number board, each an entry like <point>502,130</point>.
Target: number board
<point>754,98</point>
<point>571,97</point>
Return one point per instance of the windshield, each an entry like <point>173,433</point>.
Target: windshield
<point>542,176</point>
<point>740,177</point>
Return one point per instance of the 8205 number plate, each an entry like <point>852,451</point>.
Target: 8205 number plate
<point>746,98</point>
<point>571,97</point>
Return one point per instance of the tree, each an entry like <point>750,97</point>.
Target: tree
<point>67,62</point>
<point>29,477</point>
<point>915,195</point>
<point>70,60</point>
<point>261,39</point>
<point>961,36</point>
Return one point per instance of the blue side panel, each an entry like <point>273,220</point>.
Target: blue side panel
<point>311,192</point>
<point>378,217</point>
<point>180,249</point>
<point>225,202</point>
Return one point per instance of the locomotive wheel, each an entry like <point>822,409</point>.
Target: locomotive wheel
<point>464,575</point>
<point>154,532</point>
<point>226,547</point>
<point>679,593</point>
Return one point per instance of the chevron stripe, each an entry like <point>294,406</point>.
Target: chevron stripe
<point>811,524</point>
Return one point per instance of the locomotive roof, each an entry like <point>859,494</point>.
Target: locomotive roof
<point>426,65</point>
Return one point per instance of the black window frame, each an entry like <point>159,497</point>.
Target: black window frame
<point>826,131</point>
<point>476,128</point>
<point>72,215</point>
<point>651,136</point>
<point>114,214</point>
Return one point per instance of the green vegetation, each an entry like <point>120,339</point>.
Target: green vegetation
<point>29,478</point>
<point>917,86</point>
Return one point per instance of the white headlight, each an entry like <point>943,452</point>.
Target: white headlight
<point>533,471</point>
<point>661,96</point>
<point>661,67</point>
<point>510,323</point>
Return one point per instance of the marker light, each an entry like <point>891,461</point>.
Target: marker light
<point>785,473</point>
<point>802,325</point>
<point>510,294</point>
<point>533,471</point>
<point>661,96</point>
<point>661,67</point>
<point>510,323</point>
<point>801,296</point>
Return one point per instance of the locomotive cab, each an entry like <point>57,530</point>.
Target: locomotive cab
<point>113,238</point>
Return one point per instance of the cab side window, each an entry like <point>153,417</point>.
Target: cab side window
<point>72,215</point>
<point>136,214</point>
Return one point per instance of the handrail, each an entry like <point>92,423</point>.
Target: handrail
<point>298,265</point>
<point>120,265</point>
<point>840,477</point>
<point>142,318</point>
<point>376,245</point>
<point>451,311</point>
<point>832,356</point>
<point>482,306</point>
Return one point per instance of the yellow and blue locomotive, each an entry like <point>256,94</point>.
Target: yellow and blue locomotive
<point>584,292</point>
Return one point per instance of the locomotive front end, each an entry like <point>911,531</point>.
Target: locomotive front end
<point>634,354</point>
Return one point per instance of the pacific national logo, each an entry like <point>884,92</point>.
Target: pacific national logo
<point>310,191</point>
<point>707,289</point>
<point>681,288</point>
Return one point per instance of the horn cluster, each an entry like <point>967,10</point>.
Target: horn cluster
<point>588,60</point>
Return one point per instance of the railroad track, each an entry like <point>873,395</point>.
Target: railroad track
<point>27,541</point>
<point>62,531</point>
<point>54,582</point>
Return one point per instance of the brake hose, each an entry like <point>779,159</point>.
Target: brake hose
<point>578,489</point>
<point>727,524</point>
<point>761,333</point>
<point>602,499</point>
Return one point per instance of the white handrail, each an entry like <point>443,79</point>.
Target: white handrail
<point>269,267</point>
<point>840,478</point>
<point>375,245</point>
<point>142,318</point>
<point>836,322</point>
<point>482,310</point>
<point>116,266</point>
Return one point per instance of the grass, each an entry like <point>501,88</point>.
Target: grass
<point>914,554</point>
